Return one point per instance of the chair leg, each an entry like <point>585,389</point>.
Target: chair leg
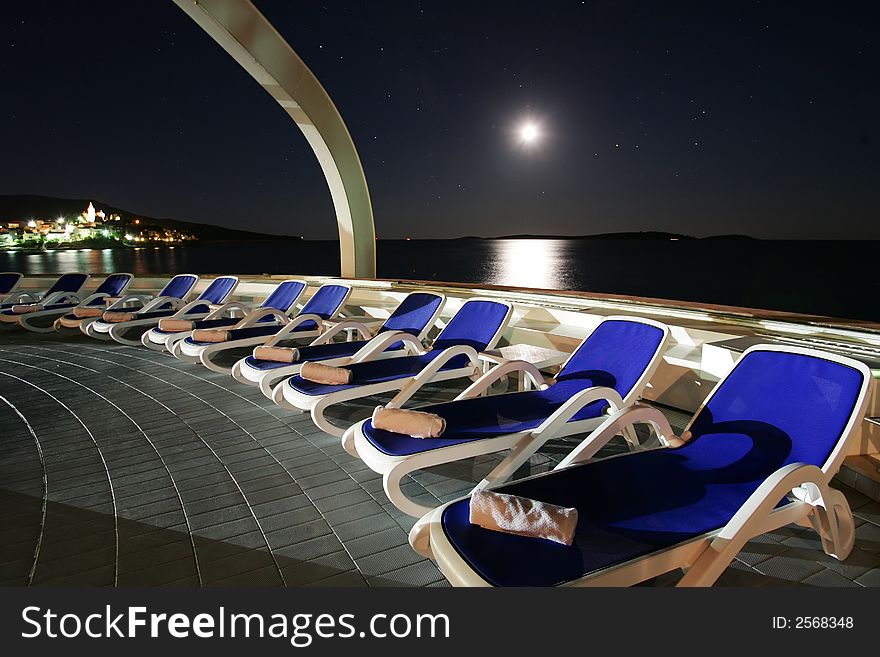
<point>833,521</point>
<point>420,536</point>
<point>322,422</point>
<point>391,484</point>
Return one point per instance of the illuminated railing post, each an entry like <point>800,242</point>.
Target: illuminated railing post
<point>244,33</point>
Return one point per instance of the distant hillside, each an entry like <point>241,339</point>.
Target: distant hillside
<point>15,207</point>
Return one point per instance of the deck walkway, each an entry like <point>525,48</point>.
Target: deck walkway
<point>122,466</point>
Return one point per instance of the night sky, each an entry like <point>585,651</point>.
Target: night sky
<point>701,118</point>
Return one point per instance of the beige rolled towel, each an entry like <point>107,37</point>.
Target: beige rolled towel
<point>70,322</point>
<point>678,442</point>
<point>88,311</point>
<point>512,514</point>
<point>175,325</point>
<point>326,374</point>
<point>277,354</point>
<point>114,316</point>
<point>9,318</point>
<point>210,335</point>
<point>24,309</point>
<point>409,423</point>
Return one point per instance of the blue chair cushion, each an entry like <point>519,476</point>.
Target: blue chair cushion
<point>113,285</point>
<point>475,324</point>
<point>615,354</point>
<point>68,283</point>
<point>326,301</point>
<point>154,314</point>
<point>284,296</point>
<point>377,371</point>
<point>773,409</point>
<point>413,313</point>
<point>244,333</point>
<point>312,353</point>
<point>179,286</point>
<point>219,289</point>
<point>468,420</point>
<point>8,281</point>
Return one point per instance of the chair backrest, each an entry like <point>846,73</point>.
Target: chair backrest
<point>114,285</point>
<point>327,301</point>
<point>284,295</point>
<point>793,405</point>
<point>619,354</point>
<point>180,286</point>
<point>9,280</point>
<point>479,323</point>
<point>220,288</point>
<point>416,314</point>
<point>68,283</point>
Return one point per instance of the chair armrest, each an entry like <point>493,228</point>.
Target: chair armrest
<point>23,297</point>
<point>129,298</point>
<point>483,384</point>
<point>344,325</point>
<point>291,326</point>
<point>229,307</point>
<point>184,310</point>
<point>174,302</point>
<point>59,297</point>
<point>827,508</point>
<point>255,316</point>
<point>577,403</point>
<point>93,297</point>
<point>429,372</point>
<point>384,340</point>
<point>616,424</point>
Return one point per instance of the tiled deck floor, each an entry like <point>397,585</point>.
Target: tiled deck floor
<point>122,466</point>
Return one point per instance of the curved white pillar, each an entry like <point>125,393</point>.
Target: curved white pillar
<point>244,33</point>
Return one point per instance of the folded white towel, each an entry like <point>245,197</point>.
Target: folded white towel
<point>512,514</point>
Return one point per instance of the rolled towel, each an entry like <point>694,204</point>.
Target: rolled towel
<point>277,354</point>
<point>326,374</point>
<point>88,311</point>
<point>24,309</point>
<point>69,321</point>
<point>114,316</point>
<point>409,423</point>
<point>210,335</point>
<point>678,442</point>
<point>512,514</point>
<point>176,325</point>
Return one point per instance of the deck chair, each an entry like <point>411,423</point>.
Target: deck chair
<point>311,321</point>
<point>477,326</point>
<point>109,291</point>
<point>274,309</point>
<point>65,288</point>
<point>606,373</point>
<point>765,445</point>
<point>210,299</point>
<point>415,316</point>
<point>9,282</point>
<point>170,298</point>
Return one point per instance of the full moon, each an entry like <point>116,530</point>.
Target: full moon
<point>529,133</point>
